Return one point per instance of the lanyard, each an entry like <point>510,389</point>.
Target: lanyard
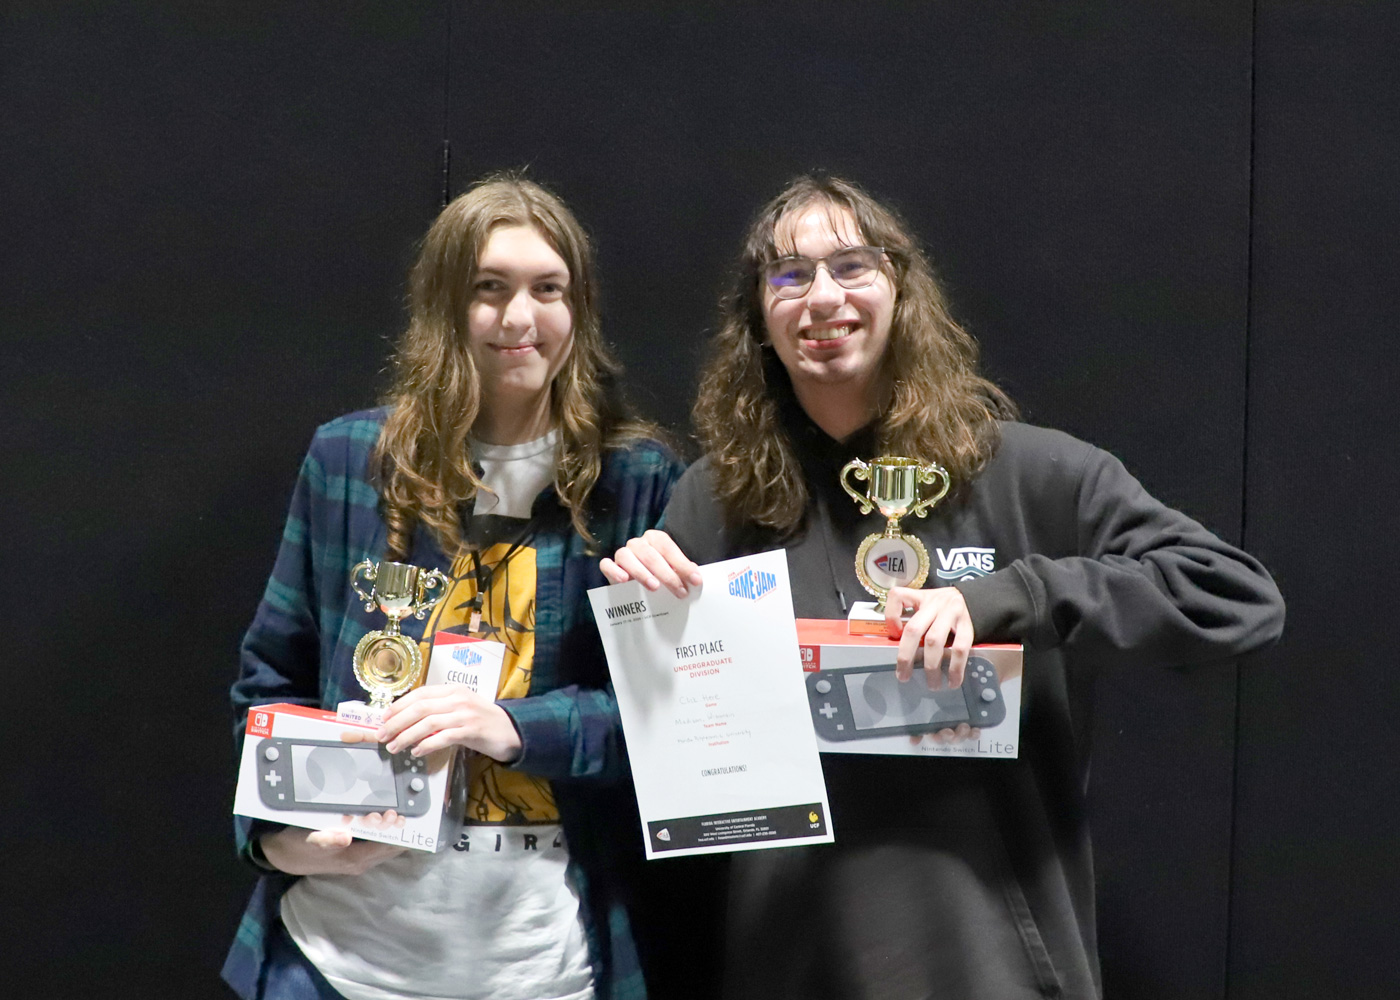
<point>827,545</point>
<point>484,576</point>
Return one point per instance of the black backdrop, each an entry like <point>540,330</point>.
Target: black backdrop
<point>1169,224</point>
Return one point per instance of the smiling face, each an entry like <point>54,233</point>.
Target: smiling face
<point>831,340</point>
<point>519,322</point>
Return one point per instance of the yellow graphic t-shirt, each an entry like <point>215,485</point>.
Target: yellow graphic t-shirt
<point>496,794</point>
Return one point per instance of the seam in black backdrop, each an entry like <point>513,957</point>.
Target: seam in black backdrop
<point>1315,871</point>
<point>210,213</point>
<point>1244,460</point>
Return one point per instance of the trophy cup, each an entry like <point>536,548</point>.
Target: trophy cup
<point>890,558</point>
<point>387,662</point>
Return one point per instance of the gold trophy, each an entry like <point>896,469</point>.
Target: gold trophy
<point>387,662</point>
<point>891,558</point>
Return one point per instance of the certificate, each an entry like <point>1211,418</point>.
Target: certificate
<point>719,731</point>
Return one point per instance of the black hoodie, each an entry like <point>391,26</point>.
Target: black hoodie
<point>973,878</point>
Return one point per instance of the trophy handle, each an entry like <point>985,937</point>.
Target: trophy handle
<point>433,579</point>
<point>863,473</point>
<point>370,570</point>
<point>928,474</point>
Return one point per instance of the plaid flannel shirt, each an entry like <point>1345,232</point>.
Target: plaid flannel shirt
<point>299,649</point>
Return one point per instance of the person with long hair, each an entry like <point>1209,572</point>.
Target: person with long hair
<point>949,877</point>
<point>504,458</point>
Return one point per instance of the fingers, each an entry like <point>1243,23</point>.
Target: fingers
<point>398,718</point>
<point>418,705</point>
<point>395,709</point>
<point>654,570</point>
<point>414,734</point>
<point>388,819</point>
<point>959,649</point>
<point>685,569</point>
<point>896,601</point>
<point>935,639</point>
<point>424,739</point>
<point>362,855</point>
<point>488,729</point>
<point>913,637</point>
<point>947,643</point>
<point>654,560</point>
<point>330,852</point>
<point>629,566</point>
<point>329,839</point>
<point>963,732</point>
<point>640,563</point>
<point>441,716</point>
<point>958,635</point>
<point>947,736</point>
<point>940,620</point>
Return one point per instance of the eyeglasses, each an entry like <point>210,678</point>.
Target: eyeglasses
<point>849,267</point>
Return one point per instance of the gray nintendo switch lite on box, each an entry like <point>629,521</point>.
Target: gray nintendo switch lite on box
<point>858,704</point>
<point>337,777</point>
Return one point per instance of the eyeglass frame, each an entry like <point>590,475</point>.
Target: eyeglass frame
<point>818,263</point>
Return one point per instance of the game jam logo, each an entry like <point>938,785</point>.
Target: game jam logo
<point>466,656</point>
<point>966,563</point>
<point>891,563</point>
<point>751,584</point>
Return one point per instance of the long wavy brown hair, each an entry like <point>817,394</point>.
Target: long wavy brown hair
<point>422,457</point>
<point>937,406</point>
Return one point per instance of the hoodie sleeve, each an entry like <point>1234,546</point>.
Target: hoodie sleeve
<point>1148,584</point>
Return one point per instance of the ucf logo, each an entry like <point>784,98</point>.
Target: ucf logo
<point>965,563</point>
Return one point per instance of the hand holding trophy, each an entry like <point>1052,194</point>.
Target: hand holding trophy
<point>387,662</point>
<point>891,558</point>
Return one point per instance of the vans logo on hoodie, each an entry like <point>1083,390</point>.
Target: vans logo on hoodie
<point>966,563</point>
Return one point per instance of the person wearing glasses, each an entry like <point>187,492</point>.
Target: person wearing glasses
<point>949,877</point>
<point>505,459</point>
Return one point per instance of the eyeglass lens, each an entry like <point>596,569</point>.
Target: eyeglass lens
<point>851,267</point>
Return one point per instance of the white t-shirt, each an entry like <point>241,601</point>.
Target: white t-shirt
<point>516,474</point>
<point>494,916</point>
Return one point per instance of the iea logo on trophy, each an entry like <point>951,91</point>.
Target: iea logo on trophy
<point>892,564</point>
<point>892,558</point>
<point>387,663</point>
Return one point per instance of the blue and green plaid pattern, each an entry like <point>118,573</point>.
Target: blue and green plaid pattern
<point>300,646</point>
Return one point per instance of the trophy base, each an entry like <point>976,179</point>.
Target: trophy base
<point>387,664</point>
<point>863,619</point>
<point>359,713</point>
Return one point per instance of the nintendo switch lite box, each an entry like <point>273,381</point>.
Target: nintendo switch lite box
<point>313,768</point>
<point>858,705</point>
